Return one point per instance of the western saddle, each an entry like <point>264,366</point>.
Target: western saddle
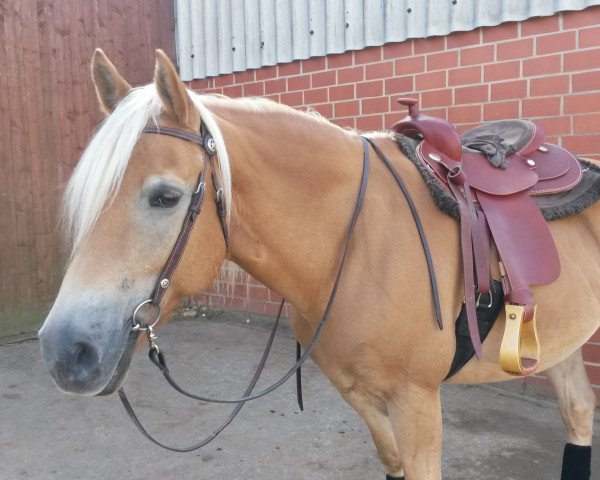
<point>492,172</point>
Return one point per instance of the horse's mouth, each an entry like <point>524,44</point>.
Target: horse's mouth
<point>118,376</point>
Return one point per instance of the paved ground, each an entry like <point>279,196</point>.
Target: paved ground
<point>47,435</point>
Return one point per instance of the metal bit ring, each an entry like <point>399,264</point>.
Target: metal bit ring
<point>137,325</point>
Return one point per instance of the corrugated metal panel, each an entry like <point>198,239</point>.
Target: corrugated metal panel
<point>223,36</point>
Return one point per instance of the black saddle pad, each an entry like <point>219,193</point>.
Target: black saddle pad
<point>487,310</point>
<point>553,207</point>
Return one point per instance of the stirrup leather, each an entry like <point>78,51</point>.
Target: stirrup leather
<point>520,348</point>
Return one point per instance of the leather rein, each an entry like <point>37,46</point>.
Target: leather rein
<point>208,144</point>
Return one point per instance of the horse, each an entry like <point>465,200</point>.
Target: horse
<point>289,182</point>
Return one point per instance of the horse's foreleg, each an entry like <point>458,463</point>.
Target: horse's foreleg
<point>416,417</point>
<point>577,403</point>
<point>378,421</point>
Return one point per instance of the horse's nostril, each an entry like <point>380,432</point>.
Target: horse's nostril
<point>85,360</point>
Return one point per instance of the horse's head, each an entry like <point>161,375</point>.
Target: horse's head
<point>123,208</point>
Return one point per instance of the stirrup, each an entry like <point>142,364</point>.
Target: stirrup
<point>520,348</point>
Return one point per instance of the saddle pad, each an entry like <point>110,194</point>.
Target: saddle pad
<point>553,207</point>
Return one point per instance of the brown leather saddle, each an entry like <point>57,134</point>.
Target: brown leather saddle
<point>493,191</point>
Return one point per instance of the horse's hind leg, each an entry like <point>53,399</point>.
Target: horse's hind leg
<point>577,403</point>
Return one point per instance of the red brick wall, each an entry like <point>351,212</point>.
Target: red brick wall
<point>545,69</point>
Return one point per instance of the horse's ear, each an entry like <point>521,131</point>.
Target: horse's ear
<point>111,87</point>
<point>173,93</point>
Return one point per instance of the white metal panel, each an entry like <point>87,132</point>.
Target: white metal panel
<point>211,38</point>
<point>316,25</point>
<point>300,29</point>
<point>396,21</point>
<point>225,37</point>
<point>183,39</point>
<point>198,59</point>
<point>220,36</point>
<point>462,16</point>
<point>416,19</point>
<point>268,35</point>
<point>283,20</point>
<point>374,21</point>
<point>355,29</point>
<point>252,23</point>
<point>238,38</point>
<point>335,25</point>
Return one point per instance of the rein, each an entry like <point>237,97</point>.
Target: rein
<point>157,357</point>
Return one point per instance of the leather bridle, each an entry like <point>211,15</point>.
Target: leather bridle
<point>156,355</point>
<point>208,144</point>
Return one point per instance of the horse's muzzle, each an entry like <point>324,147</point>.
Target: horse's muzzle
<point>85,364</point>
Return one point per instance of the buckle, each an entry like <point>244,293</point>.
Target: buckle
<point>478,301</point>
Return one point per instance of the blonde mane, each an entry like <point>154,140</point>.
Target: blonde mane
<point>99,173</point>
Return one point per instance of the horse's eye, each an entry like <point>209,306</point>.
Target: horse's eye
<point>165,199</point>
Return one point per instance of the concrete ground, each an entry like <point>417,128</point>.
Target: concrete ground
<point>488,433</point>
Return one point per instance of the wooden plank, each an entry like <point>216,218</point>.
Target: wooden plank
<point>165,14</point>
<point>64,91</point>
<point>9,287</point>
<point>146,43</point>
<point>45,212</point>
<point>91,16</point>
<point>20,153</point>
<point>117,31</point>
<point>107,39</point>
<point>32,106</point>
<point>51,105</point>
<point>79,68</point>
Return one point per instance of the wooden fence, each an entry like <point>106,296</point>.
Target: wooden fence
<point>47,112</point>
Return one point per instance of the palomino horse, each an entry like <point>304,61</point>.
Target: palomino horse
<point>290,182</point>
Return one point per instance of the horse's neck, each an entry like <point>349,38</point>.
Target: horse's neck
<point>295,183</point>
